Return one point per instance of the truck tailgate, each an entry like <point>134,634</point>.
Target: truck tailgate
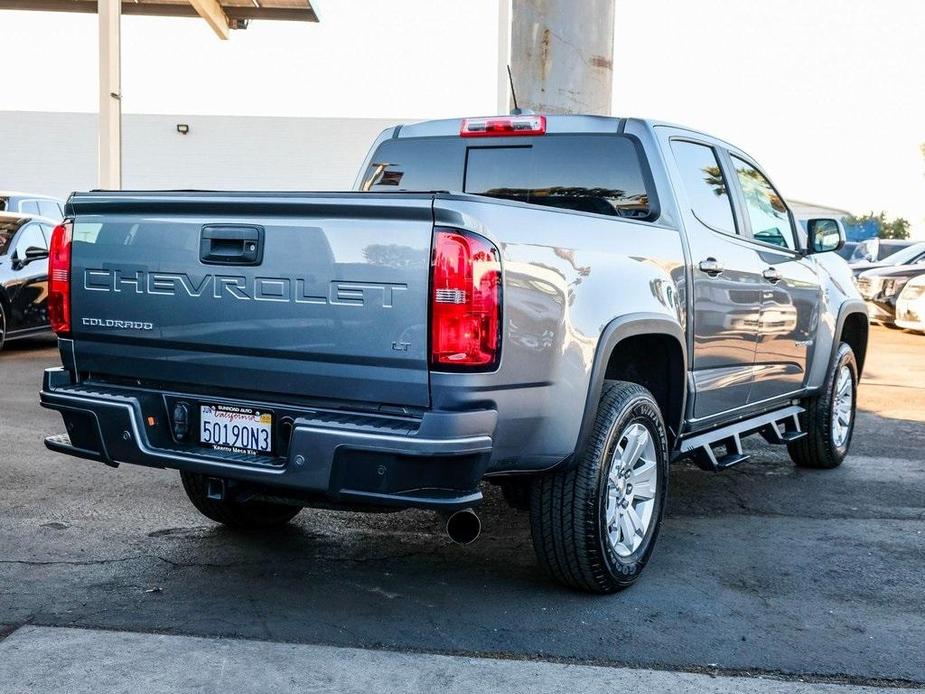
<point>316,295</point>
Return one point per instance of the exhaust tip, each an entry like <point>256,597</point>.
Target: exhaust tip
<point>464,527</point>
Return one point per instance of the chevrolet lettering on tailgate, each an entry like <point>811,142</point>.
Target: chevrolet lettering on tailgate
<point>341,293</point>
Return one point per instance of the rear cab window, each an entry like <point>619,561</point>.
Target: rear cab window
<point>597,173</point>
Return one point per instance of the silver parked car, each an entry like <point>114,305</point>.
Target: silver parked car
<point>32,204</point>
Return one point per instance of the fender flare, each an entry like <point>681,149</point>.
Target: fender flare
<point>616,331</point>
<point>848,308</point>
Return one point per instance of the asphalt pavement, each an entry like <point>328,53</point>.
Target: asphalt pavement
<point>815,576</point>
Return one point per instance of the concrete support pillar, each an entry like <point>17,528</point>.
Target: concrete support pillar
<point>504,56</point>
<point>560,53</point>
<point>110,126</point>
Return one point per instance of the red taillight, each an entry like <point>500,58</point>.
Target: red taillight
<point>465,328</point>
<point>502,126</point>
<point>59,279</point>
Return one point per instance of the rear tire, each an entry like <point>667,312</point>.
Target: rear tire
<point>829,417</point>
<point>247,515</point>
<point>594,525</point>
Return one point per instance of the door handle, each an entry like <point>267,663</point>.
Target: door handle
<point>772,275</point>
<point>231,245</point>
<point>711,266</point>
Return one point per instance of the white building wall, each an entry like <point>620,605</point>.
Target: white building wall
<point>55,153</point>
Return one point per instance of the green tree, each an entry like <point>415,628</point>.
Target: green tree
<point>897,228</point>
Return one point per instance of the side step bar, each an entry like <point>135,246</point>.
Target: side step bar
<point>721,448</point>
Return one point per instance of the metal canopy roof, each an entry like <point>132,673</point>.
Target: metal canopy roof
<point>235,10</point>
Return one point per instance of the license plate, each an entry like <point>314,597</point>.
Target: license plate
<point>236,429</point>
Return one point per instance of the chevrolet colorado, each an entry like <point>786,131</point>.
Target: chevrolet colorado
<point>561,305</point>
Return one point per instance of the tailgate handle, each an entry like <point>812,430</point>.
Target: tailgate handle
<point>231,244</point>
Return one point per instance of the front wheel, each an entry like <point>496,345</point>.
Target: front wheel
<point>594,525</point>
<point>829,416</point>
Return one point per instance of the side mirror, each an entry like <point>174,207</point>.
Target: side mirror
<point>825,235</point>
<point>36,253</point>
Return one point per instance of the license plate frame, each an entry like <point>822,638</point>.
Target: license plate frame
<point>233,428</point>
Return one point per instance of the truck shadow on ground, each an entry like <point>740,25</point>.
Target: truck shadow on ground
<point>384,554</point>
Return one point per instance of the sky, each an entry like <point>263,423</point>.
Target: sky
<point>829,95</point>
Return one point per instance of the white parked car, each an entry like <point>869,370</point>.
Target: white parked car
<point>910,305</point>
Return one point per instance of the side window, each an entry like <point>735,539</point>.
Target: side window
<point>30,237</point>
<point>29,207</point>
<point>705,184</point>
<point>50,209</point>
<point>766,209</point>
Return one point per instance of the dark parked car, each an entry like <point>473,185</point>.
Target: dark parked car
<point>29,203</point>
<point>23,275</point>
<point>880,286</point>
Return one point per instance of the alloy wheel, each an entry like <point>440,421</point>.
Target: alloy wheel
<point>843,406</point>
<point>632,482</point>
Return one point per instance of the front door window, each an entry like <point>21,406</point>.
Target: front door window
<point>770,220</point>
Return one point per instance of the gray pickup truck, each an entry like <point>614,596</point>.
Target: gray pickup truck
<point>558,305</point>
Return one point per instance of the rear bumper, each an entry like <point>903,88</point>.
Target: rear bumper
<point>434,461</point>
